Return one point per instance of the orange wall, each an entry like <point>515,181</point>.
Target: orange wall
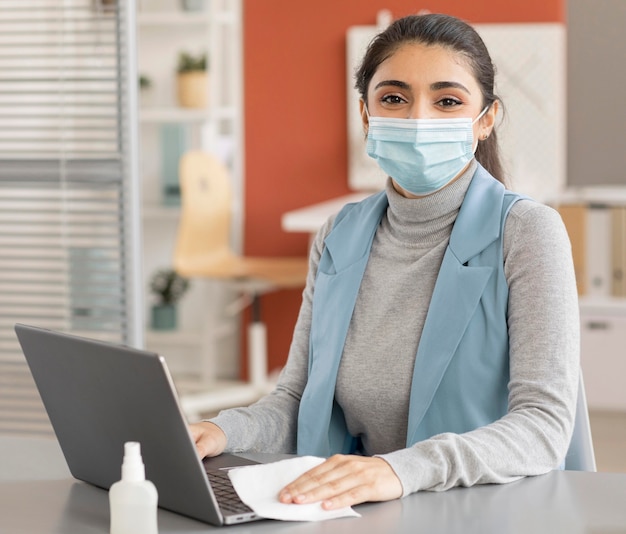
<point>295,115</point>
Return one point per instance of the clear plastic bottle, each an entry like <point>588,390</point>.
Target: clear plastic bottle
<point>133,499</point>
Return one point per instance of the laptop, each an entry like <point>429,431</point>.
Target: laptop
<point>99,395</point>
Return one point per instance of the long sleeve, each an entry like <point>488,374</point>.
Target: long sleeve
<point>533,437</point>
<point>270,425</point>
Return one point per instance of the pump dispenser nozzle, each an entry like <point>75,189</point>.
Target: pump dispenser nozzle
<point>133,500</point>
<point>133,469</point>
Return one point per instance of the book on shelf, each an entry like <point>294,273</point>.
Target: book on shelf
<point>598,236</point>
<point>618,251</point>
<point>598,251</point>
<point>575,219</point>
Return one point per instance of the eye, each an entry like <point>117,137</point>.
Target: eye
<point>449,102</point>
<point>392,99</point>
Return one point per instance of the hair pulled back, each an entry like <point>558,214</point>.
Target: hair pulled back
<point>449,32</point>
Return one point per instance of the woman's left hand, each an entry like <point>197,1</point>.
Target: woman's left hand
<point>343,481</point>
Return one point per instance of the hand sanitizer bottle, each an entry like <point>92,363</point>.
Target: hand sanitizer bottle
<point>133,499</point>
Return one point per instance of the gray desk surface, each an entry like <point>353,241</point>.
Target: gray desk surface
<point>37,496</point>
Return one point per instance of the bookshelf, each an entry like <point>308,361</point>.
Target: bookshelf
<point>197,359</point>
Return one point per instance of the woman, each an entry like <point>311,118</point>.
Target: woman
<point>437,342</point>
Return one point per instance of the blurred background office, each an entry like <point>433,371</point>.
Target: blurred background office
<point>99,99</point>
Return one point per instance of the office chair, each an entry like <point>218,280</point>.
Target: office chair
<point>580,455</point>
<point>203,250</point>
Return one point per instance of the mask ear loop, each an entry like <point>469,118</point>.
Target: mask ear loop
<point>367,113</point>
<point>366,110</point>
<point>480,115</point>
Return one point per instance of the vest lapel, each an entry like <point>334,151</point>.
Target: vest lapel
<point>457,293</point>
<point>351,237</point>
<point>321,427</point>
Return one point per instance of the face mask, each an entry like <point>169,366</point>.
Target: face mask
<point>421,155</point>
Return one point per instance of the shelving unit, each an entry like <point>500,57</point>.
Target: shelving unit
<point>197,361</point>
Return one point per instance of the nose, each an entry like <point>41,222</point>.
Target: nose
<point>418,110</point>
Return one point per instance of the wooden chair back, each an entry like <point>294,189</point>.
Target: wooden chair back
<point>206,211</point>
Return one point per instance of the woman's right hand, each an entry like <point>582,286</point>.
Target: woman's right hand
<point>209,438</point>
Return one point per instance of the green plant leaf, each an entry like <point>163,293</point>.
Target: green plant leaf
<point>188,62</point>
<point>168,286</point>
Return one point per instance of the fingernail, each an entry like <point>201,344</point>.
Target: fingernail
<point>327,505</point>
<point>284,496</point>
<point>299,498</point>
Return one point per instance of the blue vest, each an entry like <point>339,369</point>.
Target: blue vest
<point>461,373</point>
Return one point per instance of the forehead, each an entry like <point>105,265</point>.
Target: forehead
<point>417,62</point>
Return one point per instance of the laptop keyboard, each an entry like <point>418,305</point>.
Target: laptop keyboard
<point>225,493</point>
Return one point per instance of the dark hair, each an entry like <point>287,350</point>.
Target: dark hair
<point>446,31</point>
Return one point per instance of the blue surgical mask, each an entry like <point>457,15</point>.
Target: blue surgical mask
<point>421,155</point>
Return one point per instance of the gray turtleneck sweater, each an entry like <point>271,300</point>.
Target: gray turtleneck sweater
<point>374,380</point>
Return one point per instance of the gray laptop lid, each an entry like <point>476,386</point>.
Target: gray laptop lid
<point>100,395</point>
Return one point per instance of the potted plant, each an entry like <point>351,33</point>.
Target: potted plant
<point>168,287</point>
<point>192,80</point>
<point>144,82</point>
<point>145,89</point>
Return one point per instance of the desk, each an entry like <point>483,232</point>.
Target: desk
<point>36,497</point>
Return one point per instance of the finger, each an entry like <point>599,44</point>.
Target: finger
<point>202,448</point>
<point>197,434</point>
<point>376,482</point>
<point>348,498</point>
<point>326,493</point>
<point>353,480</point>
<point>208,445</point>
<point>309,480</point>
<point>327,476</point>
<point>209,439</point>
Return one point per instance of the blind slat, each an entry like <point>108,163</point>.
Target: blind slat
<point>65,183</point>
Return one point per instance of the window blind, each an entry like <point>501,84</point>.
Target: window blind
<point>69,222</point>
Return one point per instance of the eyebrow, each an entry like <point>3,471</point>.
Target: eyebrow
<point>395,83</point>
<point>433,86</point>
<point>446,85</point>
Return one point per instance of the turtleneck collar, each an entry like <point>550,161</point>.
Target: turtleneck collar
<point>427,220</point>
